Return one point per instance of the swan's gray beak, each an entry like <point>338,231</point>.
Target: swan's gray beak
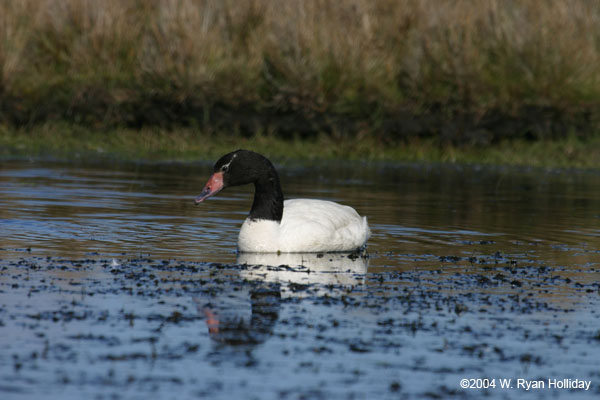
<point>212,187</point>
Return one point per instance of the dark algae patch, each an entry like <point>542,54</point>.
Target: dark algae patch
<point>126,328</point>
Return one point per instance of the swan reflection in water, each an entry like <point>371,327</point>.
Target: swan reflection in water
<point>305,268</point>
<point>243,310</point>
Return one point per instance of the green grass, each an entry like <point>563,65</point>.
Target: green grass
<point>346,68</point>
<point>68,142</point>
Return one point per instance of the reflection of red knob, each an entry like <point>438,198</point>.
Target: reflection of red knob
<point>212,321</point>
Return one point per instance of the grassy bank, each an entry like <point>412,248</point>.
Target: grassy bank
<point>66,142</point>
<point>462,72</point>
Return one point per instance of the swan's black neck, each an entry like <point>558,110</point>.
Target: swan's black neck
<point>268,197</point>
<point>242,167</point>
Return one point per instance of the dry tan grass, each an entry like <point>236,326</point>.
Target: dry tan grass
<point>351,57</point>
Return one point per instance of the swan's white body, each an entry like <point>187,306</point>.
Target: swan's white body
<point>306,226</point>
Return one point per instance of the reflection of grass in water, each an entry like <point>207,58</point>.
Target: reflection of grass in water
<point>136,62</point>
<point>74,142</point>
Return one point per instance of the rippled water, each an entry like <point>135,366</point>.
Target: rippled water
<point>148,210</point>
<point>472,272</point>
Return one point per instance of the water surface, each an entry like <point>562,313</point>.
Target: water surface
<point>114,284</point>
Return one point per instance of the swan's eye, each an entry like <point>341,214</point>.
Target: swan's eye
<point>225,168</point>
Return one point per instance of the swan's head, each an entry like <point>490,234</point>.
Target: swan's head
<point>239,167</point>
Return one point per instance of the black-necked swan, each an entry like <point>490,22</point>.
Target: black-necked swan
<point>291,226</point>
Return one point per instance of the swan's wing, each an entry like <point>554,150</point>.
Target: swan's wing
<point>319,225</point>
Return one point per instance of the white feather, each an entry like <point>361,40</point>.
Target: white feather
<point>306,226</point>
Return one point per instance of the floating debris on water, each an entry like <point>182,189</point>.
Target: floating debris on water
<point>88,326</point>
